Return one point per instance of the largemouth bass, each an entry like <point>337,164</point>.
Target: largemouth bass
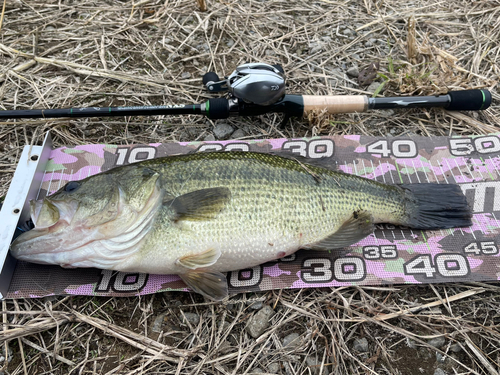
<point>202,214</point>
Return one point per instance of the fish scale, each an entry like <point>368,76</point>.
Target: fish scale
<point>274,201</point>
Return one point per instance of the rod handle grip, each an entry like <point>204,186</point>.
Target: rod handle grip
<point>335,103</point>
<point>469,100</point>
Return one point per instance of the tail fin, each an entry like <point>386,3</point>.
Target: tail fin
<point>435,206</point>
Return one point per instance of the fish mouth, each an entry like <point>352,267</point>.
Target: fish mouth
<point>33,243</point>
<point>50,219</point>
<point>46,213</point>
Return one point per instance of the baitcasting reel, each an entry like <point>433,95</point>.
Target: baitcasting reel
<point>254,83</point>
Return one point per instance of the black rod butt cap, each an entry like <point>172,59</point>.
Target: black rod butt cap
<point>469,100</point>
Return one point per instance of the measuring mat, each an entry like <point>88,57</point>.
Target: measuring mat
<point>391,255</point>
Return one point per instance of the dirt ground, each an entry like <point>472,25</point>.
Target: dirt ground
<point>66,53</point>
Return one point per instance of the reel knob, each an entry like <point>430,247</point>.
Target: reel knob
<point>213,83</point>
<point>210,77</point>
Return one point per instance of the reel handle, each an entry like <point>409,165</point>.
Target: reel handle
<point>213,83</point>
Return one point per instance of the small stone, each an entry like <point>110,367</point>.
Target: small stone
<point>274,368</point>
<point>439,372</point>
<point>230,43</point>
<point>223,131</point>
<point>49,298</point>
<point>257,370</point>
<point>315,49</point>
<point>368,44</point>
<point>374,86</point>
<point>173,56</point>
<point>224,347</point>
<point>292,340</point>
<point>238,134</point>
<point>387,112</point>
<point>225,326</point>
<point>432,310</point>
<point>186,75</point>
<point>314,366</point>
<point>3,356</point>
<point>193,131</point>
<point>456,348</point>
<point>209,138</point>
<point>259,322</point>
<point>158,323</point>
<point>437,342</point>
<point>257,305</point>
<point>361,345</point>
<point>411,344</point>
<point>353,71</point>
<point>191,318</point>
<point>440,358</point>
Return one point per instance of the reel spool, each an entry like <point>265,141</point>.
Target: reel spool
<point>255,83</point>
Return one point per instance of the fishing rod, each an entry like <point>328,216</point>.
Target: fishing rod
<point>258,88</point>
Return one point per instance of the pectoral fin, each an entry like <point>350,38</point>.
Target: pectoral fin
<point>201,204</point>
<point>200,260</point>
<point>210,284</point>
<point>357,227</point>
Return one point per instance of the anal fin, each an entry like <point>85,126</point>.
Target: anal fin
<point>357,227</point>
<point>208,283</point>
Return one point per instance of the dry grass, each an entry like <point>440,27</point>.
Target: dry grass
<point>98,53</point>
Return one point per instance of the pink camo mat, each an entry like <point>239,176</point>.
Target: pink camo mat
<point>391,255</point>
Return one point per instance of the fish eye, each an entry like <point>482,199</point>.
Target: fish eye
<point>71,186</point>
